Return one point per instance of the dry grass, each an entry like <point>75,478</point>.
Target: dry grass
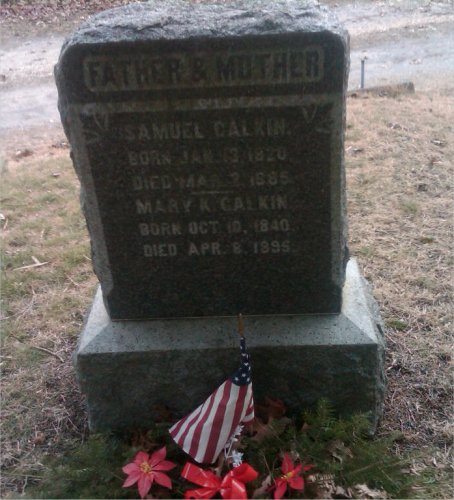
<point>399,170</point>
<point>399,176</point>
<point>42,312</point>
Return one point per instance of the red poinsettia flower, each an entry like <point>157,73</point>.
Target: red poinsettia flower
<point>291,476</point>
<point>148,468</point>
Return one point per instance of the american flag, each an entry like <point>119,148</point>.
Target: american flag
<point>203,433</point>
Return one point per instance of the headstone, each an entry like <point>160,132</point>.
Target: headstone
<point>209,143</point>
<point>208,139</point>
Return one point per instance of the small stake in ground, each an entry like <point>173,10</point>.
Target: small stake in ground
<point>363,70</point>
<point>240,325</point>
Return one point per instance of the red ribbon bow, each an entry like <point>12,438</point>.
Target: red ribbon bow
<point>231,485</point>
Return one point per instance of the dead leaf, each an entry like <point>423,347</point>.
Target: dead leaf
<point>363,491</point>
<point>339,451</point>
<point>305,427</point>
<point>261,430</point>
<point>272,428</point>
<point>264,488</point>
<point>218,465</point>
<point>322,484</point>
<point>162,413</point>
<point>274,408</point>
<point>343,493</point>
<point>39,438</point>
<point>158,492</point>
<point>141,439</point>
<point>23,153</point>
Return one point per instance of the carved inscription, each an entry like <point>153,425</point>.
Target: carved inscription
<point>233,68</point>
<point>214,182</point>
<point>229,197</point>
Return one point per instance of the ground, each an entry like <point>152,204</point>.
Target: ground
<point>399,40</point>
<point>399,152</point>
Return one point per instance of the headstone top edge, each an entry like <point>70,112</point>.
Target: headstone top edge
<point>174,20</point>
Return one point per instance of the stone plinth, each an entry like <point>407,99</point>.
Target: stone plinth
<point>127,368</point>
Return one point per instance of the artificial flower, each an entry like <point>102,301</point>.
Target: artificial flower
<point>234,439</point>
<point>230,486</point>
<point>237,458</point>
<point>291,476</point>
<point>147,468</point>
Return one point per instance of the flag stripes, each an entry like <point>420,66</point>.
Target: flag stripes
<point>203,433</point>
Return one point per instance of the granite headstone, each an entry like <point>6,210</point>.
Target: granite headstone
<point>208,141</point>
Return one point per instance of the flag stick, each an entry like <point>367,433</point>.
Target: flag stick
<point>240,325</point>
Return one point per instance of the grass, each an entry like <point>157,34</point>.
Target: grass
<point>399,181</point>
<point>405,216</point>
<point>42,311</point>
<point>346,459</point>
<point>409,207</point>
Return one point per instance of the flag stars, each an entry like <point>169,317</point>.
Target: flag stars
<point>243,374</point>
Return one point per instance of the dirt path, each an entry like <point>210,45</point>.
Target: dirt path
<point>403,40</point>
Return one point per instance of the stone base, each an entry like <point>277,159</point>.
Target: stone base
<point>129,369</point>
